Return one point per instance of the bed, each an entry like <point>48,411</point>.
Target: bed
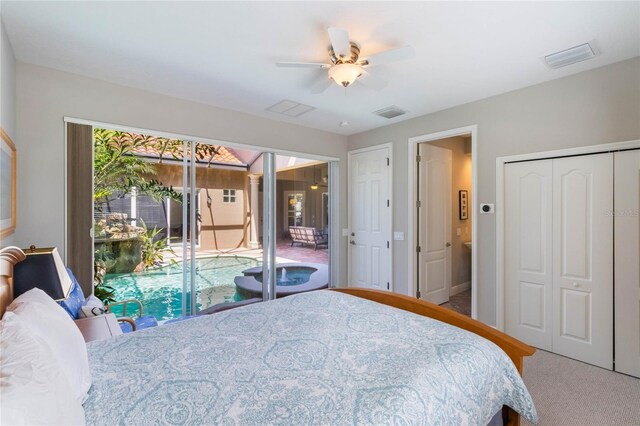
<point>342,356</point>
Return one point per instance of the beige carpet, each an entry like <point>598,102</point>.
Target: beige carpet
<point>569,392</point>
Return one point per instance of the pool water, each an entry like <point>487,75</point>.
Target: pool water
<point>160,289</point>
<point>295,275</point>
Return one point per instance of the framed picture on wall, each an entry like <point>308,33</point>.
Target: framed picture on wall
<point>7,185</point>
<point>463,204</point>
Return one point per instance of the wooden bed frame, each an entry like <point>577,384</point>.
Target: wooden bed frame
<point>515,349</point>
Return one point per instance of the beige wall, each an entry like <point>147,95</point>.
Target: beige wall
<point>8,100</point>
<point>593,107</point>
<point>300,180</point>
<point>223,225</point>
<point>44,96</point>
<point>460,180</point>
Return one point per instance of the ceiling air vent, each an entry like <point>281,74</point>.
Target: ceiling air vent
<point>570,56</point>
<point>290,108</point>
<point>390,112</point>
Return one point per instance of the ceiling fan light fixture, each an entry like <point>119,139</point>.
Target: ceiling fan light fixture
<point>345,74</point>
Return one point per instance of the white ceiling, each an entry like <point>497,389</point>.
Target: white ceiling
<point>223,53</point>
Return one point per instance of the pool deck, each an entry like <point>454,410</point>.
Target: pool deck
<point>284,253</point>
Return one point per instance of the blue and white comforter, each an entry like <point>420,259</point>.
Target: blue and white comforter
<point>313,358</point>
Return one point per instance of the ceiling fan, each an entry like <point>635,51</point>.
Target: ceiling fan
<point>346,66</point>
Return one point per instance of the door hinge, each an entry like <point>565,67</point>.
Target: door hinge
<point>418,249</point>
<point>418,204</point>
<point>387,203</point>
<point>418,158</point>
<point>387,161</point>
<point>418,294</point>
<point>387,244</point>
<point>388,286</point>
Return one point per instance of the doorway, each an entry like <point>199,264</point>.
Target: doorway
<point>370,221</point>
<point>441,217</point>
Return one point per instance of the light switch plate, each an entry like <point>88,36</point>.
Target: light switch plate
<point>398,236</point>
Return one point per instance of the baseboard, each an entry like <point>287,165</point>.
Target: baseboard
<point>459,288</point>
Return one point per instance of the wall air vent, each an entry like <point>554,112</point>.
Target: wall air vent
<point>570,56</point>
<point>290,108</point>
<point>390,112</point>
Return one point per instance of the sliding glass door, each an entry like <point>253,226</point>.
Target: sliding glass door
<point>186,226</point>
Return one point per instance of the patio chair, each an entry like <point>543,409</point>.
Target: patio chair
<point>307,235</point>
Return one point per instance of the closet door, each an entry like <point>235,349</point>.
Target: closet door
<point>627,268</point>
<point>528,252</point>
<point>583,258</point>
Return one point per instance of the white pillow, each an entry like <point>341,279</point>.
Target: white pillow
<point>34,389</point>
<point>51,323</point>
<point>93,307</point>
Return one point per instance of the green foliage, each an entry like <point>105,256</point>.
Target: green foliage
<point>102,291</point>
<point>153,248</point>
<point>118,167</point>
<point>119,164</point>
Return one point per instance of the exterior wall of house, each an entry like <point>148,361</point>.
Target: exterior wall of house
<point>223,225</point>
<point>589,108</point>
<point>300,180</point>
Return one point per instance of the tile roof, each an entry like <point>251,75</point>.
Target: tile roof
<point>222,155</point>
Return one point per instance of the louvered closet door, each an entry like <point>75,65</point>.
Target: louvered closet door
<point>583,258</point>
<point>627,268</point>
<point>528,252</point>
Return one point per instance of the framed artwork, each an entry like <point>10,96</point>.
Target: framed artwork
<point>463,204</point>
<point>7,185</point>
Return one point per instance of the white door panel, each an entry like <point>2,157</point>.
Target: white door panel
<point>369,212</point>
<point>583,258</point>
<point>627,264</point>
<point>434,223</point>
<point>528,252</point>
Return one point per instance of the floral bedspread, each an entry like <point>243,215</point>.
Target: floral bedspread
<point>314,358</point>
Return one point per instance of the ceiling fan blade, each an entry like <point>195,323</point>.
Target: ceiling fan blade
<point>340,42</point>
<point>301,65</point>
<point>388,56</point>
<point>321,84</point>
<point>371,81</point>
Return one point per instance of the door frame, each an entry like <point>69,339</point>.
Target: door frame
<point>412,239</point>
<point>500,163</point>
<point>389,147</point>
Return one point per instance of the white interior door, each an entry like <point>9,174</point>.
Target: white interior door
<point>583,258</point>
<point>627,267</point>
<point>369,213</point>
<point>434,223</point>
<point>528,252</point>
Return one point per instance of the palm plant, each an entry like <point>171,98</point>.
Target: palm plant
<point>153,248</point>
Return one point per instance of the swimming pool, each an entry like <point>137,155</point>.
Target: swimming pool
<point>160,290</point>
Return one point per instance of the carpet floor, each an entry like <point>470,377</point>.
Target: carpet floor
<point>460,303</point>
<point>569,392</point>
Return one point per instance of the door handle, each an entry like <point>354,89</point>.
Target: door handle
<point>448,245</point>
<point>353,243</point>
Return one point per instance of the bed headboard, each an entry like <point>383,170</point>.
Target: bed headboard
<point>9,256</point>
